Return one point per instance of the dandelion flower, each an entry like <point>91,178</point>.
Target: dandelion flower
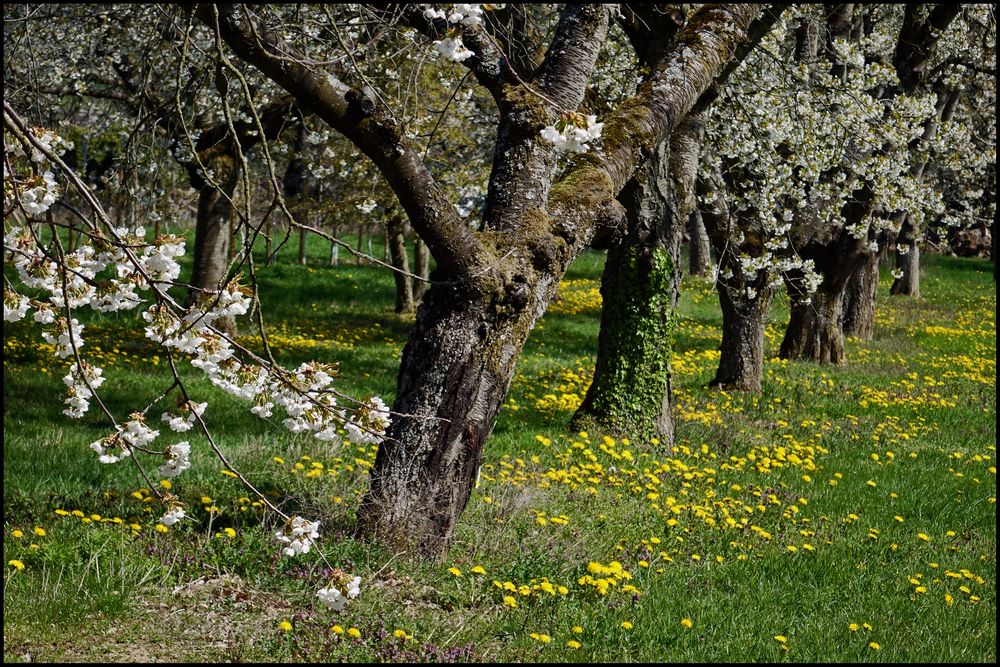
<point>16,564</point>
<point>353,633</point>
<point>627,625</point>
<point>573,644</point>
<point>285,626</point>
<point>875,646</point>
<point>687,623</point>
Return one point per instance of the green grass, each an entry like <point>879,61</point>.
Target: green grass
<point>823,460</point>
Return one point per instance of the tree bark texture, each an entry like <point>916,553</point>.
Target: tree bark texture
<point>700,258</point>
<point>630,394</point>
<point>457,367</point>
<point>212,237</point>
<point>421,267</point>
<point>395,235</point>
<point>745,304</point>
<point>814,329</point>
<point>741,359</point>
<point>908,261</point>
<point>859,299</point>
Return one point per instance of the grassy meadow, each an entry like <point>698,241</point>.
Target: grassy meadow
<point>844,514</point>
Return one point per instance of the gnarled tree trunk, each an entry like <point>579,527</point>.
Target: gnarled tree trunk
<point>741,359</point>
<point>859,299</point>
<point>814,329</point>
<point>456,370</point>
<point>630,392</point>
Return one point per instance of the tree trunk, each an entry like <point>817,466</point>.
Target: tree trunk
<point>814,330</point>
<point>741,360</point>
<point>630,393</point>
<point>212,239</point>
<point>907,261</point>
<point>334,248</point>
<point>397,251</point>
<point>421,267</point>
<point>455,372</point>
<point>361,244</point>
<point>700,249</point>
<point>859,299</point>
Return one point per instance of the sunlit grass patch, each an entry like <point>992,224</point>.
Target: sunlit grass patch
<point>841,509</point>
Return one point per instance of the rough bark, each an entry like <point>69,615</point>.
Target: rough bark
<point>396,237</point>
<point>745,304</point>
<point>741,359</point>
<point>456,370</point>
<point>630,394</point>
<point>700,258</point>
<point>212,243</point>
<point>859,300</point>
<point>814,329</point>
<point>908,261</point>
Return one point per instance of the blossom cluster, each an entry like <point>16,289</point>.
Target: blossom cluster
<point>342,587</point>
<point>298,534</point>
<point>796,143</point>
<point>459,15</point>
<point>108,271</point>
<point>573,132</point>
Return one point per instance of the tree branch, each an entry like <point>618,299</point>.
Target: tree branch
<point>703,48</point>
<point>373,129</point>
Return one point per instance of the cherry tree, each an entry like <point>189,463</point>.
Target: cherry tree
<point>555,174</point>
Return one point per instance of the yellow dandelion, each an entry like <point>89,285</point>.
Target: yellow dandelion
<point>285,626</point>
<point>455,571</point>
<point>627,625</point>
<point>39,531</point>
<point>781,639</point>
<point>16,564</point>
<point>687,623</point>
<point>478,569</point>
<point>875,646</point>
<point>573,644</point>
<point>17,533</point>
<point>576,630</point>
<point>924,536</point>
<point>337,630</point>
<point>353,633</point>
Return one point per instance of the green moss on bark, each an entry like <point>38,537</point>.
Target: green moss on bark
<point>630,383</point>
